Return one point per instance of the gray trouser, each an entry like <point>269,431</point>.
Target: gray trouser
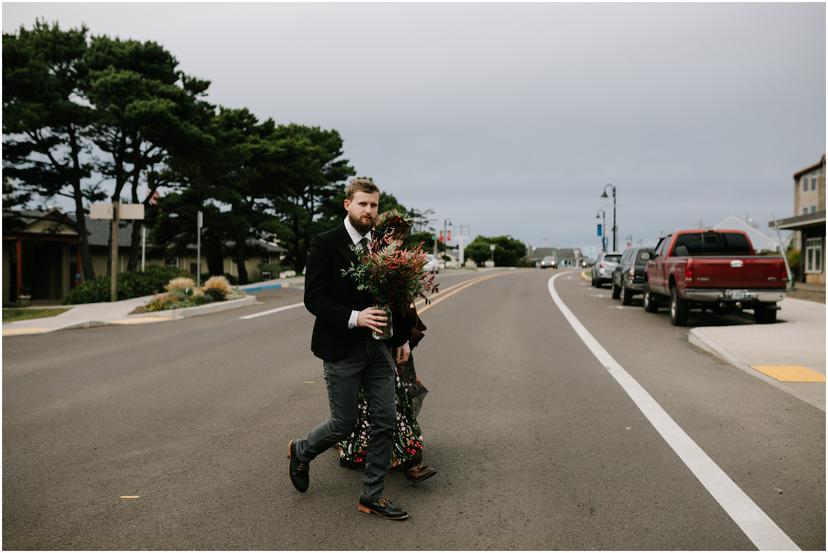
<point>371,367</point>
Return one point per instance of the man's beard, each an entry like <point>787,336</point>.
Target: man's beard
<point>359,225</point>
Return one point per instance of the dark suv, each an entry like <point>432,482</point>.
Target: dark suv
<point>630,277</point>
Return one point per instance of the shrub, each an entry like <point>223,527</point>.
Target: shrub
<point>162,302</point>
<point>130,285</point>
<point>91,291</point>
<point>273,268</point>
<point>183,285</point>
<point>176,299</point>
<point>217,288</point>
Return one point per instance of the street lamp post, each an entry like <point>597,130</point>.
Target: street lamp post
<point>614,226</point>
<point>603,216</point>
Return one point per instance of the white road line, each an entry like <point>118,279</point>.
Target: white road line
<point>270,312</point>
<point>759,528</point>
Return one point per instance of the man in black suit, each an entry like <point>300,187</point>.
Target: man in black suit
<point>351,357</point>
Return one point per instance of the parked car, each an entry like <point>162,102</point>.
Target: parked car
<point>605,264</point>
<point>548,262</point>
<point>630,277</point>
<point>431,265</point>
<point>713,269</point>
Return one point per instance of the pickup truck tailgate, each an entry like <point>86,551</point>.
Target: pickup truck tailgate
<point>740,272</point>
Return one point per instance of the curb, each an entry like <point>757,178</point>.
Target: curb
<point>187,312</point>
<point>714,348</point>
<point>139,318</point>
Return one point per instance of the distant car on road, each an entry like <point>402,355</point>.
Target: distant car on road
<point>630,277</point>
<point>431,265</point>
<point>548,262</point>
<point>603,268</point>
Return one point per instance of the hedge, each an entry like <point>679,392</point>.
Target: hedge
<point>130,285</point>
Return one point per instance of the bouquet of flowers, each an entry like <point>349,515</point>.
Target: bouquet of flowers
<point>392,274</point>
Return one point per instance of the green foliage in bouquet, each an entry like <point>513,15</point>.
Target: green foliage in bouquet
<point>391,274</point>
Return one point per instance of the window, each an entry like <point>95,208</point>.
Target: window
<point>171,262</point>
<point>813,255</point>
<point>813,182</point>
<point>713,243</point>
<point>662,245</point>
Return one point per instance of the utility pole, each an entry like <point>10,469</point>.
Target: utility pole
<point>461,237</point>
<point>446,224</point>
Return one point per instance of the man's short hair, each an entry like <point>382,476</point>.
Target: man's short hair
<point>361,184</point>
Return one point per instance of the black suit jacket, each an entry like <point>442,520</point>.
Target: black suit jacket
<point>331,297</point>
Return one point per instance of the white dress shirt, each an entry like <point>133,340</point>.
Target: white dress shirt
<point>356,238</point>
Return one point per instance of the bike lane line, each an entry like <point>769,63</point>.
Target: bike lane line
<point>757,526</point>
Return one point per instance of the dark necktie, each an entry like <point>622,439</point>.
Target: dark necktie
<point>363,244</point>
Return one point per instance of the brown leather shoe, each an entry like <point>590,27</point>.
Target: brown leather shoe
<point>382,507</point>
<point>420,472</point>
<point>299,471</point>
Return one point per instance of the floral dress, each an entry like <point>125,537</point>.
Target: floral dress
<point>407,442</point>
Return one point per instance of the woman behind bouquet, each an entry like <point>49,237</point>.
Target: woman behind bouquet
<point>408,440</point>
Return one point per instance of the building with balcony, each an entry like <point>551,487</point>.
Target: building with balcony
<point>808,221</point>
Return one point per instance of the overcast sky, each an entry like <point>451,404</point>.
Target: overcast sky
<point>511,118</point>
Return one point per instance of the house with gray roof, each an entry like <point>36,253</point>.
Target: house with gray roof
<point>41,256</point>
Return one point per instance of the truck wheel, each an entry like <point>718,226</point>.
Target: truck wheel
<point>626,294</point>
<point>650,302</point>
<point>594,283</point>
<point>765,314</point>
<point>678,308</point>
<point>616,291</point>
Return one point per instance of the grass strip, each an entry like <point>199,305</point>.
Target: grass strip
<point>14,314</point>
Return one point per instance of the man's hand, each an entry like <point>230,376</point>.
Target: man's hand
<point>403,353</point>
<point>374,319</point>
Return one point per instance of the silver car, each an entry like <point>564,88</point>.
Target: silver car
<point>603,268</point>
<point>548,262</point>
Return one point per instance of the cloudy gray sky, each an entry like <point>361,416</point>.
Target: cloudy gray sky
<point>511,118</point>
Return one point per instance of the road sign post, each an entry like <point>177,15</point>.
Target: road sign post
<point>199,224</point>
<point>113,263</point>
<point>115,212</point>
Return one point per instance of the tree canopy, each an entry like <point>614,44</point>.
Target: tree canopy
<point>97,117</point>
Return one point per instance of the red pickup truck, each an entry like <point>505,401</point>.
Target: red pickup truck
<point>713,269</point>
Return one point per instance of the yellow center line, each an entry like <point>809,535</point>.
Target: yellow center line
<point>458,288</point>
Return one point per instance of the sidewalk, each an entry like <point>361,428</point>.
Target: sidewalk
<point>789,355</point>
<point>112,313</point>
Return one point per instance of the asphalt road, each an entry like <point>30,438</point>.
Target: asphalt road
<point>537,445</point>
